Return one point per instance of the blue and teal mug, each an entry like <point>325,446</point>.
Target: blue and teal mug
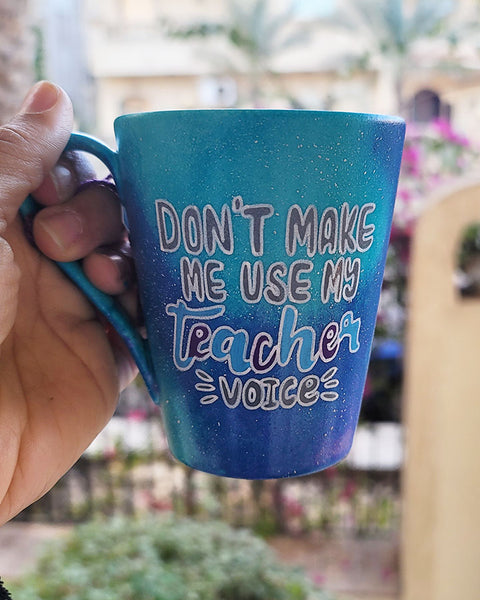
<point>259,239</point>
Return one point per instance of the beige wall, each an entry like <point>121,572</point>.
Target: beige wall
<point>441,525</point>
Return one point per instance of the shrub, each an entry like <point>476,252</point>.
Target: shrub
<point>163,558</point>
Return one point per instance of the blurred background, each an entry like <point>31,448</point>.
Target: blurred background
<point>373,526</point>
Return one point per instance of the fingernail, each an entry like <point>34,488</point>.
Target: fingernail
<point>42,97</point>
<point>64,228</point>
<point>62,180</point>
<point>123,266</point>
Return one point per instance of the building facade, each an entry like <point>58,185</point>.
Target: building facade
<point>129,59</point>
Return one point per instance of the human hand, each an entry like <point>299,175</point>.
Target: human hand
<point>61,370</point>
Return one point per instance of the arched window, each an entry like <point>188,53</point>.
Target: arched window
<point>468,262</point>
<point>427,106</point>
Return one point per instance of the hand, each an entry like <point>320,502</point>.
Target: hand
<point>60,371</point>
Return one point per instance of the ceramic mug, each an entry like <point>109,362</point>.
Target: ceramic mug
<point>259,239</point>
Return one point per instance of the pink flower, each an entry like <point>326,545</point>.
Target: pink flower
<point>367,390</point>
<point>388,572</point>
<point>349,490</point>
<point>138,414</point>
<point>411,160</point>
<point>404,194</point>
<point>319,579</point>
<point>331,472</point>
<point>109,453</point>
<point>158,504</point>
<point>412,131</point>
<point>293,508</point>
<point>445,129</point>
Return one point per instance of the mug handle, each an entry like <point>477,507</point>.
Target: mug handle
<point>106,304</point>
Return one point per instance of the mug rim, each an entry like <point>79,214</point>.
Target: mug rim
<point>353,115</point>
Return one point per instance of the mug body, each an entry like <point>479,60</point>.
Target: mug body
<point>260,239</point>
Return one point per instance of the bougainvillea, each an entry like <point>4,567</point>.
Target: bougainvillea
<point>434,155</point>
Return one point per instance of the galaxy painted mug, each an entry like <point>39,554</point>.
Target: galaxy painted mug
<point>259,239</point>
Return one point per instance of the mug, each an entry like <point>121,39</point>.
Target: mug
<point>259,239</point>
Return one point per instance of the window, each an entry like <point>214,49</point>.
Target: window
<point>426,106</point>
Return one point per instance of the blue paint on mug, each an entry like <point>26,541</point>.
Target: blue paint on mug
<point>259,239</point>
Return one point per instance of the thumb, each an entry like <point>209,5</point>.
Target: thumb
<point>30,145</point>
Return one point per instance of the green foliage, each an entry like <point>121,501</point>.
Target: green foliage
<point>257,29</point>
<point>257,32</point>
<point>470,245</point>
<point>388,33</point>
<point>39,53</point>
<point>163,558</point>
<point>391,27</point>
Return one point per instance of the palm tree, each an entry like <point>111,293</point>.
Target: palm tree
<point>257,32</point>
<point>15,55</point>
<point>391,31</point>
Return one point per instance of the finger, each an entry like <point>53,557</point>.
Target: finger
<point>126,368</point>
<point>111,268</point>
<point>30,145</point>
<point>72,230</point>
<point>60,184</point>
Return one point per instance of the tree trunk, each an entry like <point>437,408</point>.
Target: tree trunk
<point>16,55</point>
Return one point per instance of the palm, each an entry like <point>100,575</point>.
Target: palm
<point>58,380</point>
<point>391,31</point>
<point>257,32</point>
